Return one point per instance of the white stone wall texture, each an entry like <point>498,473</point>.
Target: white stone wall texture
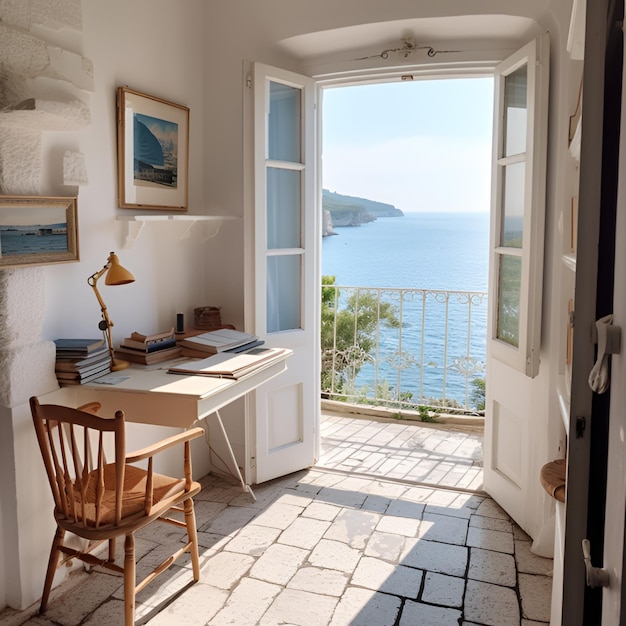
<point>43,88</point>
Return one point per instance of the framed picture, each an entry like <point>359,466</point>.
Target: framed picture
<point>152,152</point>
<point>37,230</point>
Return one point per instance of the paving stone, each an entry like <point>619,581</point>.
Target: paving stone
<point>452,510</point>
<point>436,557</point>
<point>300,608</point>
<point>364,607</point>
<point>111,612</point>
<point>278,564</point>
<point>492,567</point>
<point>228,521</point>
<point>195,607</point>
<point>490,539</point>
<point>326,582</point>
<point>332,495</point>
<point>335,555</point>
<point>92,591</point>
<point>305,532</point>
<point>376,504</point>
<point>225,569</point>
<point>536,594</point>
<point>382,576</point>
<point>519,534</point>
<point>529,563</point>
<point>246,603</point>
<point>387,546</point>
<point>253,540</point>
<point>386,489</point>
<point>491,523</point>
<point>489,508</point>
<point>415,613</point>
<point>212,542</point>
<point>491,604</point>
<point>278,515</point>
<point>443,528</point>
<point>353,527</point>
<point>406,508</point>
<point>418,494</point>
<point>322,511</point>
<point>205,511</point>
<point>294,498</point>
<point>405,526</point>
<point>443,590</point>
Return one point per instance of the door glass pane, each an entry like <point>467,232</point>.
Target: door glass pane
<point>509,289</point>
<point>283,208</point>
<point>283,134</point>
<point>513,181</point>
<point>283,293</point>
<point>515,111</point>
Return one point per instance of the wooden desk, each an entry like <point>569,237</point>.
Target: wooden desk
<point>152,396</point>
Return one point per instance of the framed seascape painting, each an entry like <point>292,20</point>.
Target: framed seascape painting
<point>37,230</point>
<point>152,152</point>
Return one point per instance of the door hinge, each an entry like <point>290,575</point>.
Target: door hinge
<point>249,82</point>
<point>581,423</point>
<point>596,576</point>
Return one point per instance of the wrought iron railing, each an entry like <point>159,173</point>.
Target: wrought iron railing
<point>404,348</point>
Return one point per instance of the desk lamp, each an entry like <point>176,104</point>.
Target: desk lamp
<point>115,275</point>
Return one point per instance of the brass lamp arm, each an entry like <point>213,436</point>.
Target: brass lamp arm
<point>106,323</point>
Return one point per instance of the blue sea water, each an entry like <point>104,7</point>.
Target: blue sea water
<point>430,251</point>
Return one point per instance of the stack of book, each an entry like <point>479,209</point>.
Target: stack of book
<point>216,341</point>
<point>80,360</point>
<point>148,349</point>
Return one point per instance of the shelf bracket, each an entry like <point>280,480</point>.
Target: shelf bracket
<point>133,230</point>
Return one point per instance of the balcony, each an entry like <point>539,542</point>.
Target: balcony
<point>413,351</point>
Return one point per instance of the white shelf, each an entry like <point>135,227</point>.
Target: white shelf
<point>182,224</point>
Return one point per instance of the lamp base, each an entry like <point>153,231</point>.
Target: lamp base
<point>118,365</point>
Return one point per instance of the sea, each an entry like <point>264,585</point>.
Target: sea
<point>424,251</point>
<point>33,240</point>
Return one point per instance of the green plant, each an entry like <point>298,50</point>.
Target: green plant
<point>348,333</point>
<point>478,393</point>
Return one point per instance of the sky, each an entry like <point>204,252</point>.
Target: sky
<point>423,145</point>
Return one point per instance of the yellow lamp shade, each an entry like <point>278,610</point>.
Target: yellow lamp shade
<point>117,275</point>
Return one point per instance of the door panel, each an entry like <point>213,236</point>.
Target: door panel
<point>284,280</point>
<point>513,394</point>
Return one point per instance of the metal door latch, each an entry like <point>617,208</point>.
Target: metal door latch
<point>596,576</point>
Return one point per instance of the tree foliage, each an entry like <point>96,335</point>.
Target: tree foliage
<point>348,332</point>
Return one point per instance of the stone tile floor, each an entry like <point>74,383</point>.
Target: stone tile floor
<point>429,453</point>
<point>327,547</point>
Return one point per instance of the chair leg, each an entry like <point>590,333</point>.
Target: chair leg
<point>53,562</point>
<point>190,521</point>
<point>129,580</point>
<point>112,549</point>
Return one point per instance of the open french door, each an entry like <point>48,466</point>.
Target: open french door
<point>282,281</point>
<point>515,282</point>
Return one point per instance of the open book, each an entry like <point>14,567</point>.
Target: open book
<point>227,365</point>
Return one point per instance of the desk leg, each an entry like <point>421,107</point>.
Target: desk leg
<point>245,486</point>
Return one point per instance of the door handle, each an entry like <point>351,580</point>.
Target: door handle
<point>596,576</point>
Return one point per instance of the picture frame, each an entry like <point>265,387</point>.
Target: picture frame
<point>38,230</point>
<point>152,152</point>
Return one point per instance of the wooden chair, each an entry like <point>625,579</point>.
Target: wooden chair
<point>100,501</point>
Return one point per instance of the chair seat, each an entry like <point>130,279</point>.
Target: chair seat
<point>552,478</point>
<point>133,499</point>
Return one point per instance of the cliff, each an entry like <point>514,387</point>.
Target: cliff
<point>340,210</point>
